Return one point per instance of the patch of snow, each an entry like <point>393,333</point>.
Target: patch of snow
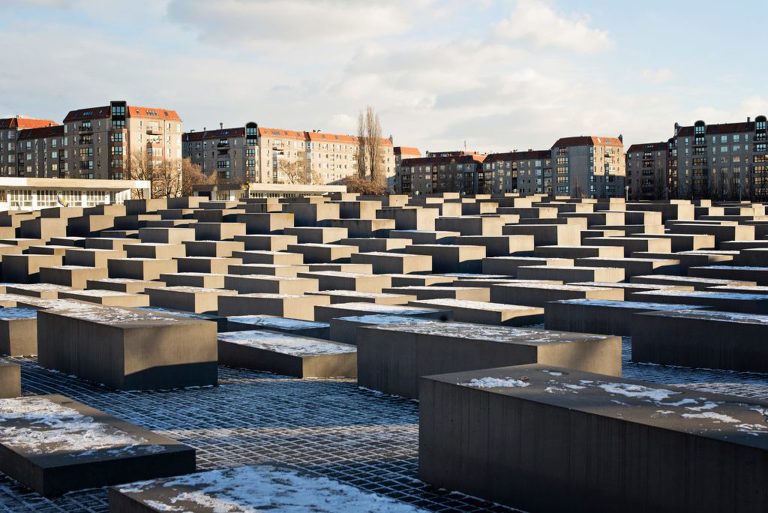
<point>276,322</point>
<point>255,489</point>
<point>632,390</point>
<point>38,425</point>
<point>718,417</point>
<point>495,383</point>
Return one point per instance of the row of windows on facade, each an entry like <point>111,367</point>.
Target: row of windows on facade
<point>119,124</point>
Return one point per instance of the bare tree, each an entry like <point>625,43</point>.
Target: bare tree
<point>373,136</point>
<point>362,170</point>
<point>164,175</point>
<point>294,171</point>
<point>191,175</point>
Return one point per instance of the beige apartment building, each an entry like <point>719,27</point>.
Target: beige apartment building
<point>256,154</point>
<point>589,166</point>
<point>9,134</point>
<point>101,141</point>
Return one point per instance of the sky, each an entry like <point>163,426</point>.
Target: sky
<point>491,75</point>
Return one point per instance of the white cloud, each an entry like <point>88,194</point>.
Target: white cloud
<point>658,75</point>
<point>291,21</point>
<point>538,23</point>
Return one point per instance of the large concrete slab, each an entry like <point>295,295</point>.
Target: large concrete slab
<point>248,490</point>
<point>287,354</point>
<point>702,338</point>
<point>52,445</point>
<point>127,349</point>
<point>391,358</point>
<point>551,439</point>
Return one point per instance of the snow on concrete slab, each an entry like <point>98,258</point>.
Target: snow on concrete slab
<point>504,334</point>
<point>285,343</point>
<point>489,382</point>
<point>253,489</point>
<point>10,314</point>
<point>268,321</point>
<point>37,425</point>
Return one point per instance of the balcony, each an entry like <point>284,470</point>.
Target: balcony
<point>85,128</point>
<point>154,131</point>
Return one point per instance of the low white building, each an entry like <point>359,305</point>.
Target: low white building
<point>36,193</point>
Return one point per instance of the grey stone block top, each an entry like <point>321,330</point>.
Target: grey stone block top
<point>269,321</point>
<point>381,319</point>
<point>381,309</point>
<point>713,416</point>
<point>478,305</point>
<point>735,296</point>
<point>45,427</point>
<point>258,488</point>
<point>179,313</point>
<point>114,316</point>
<point>285,344</point>
<point>10,314</point>
<point>712,315</point>
<point>502,334</point>
<point>634,305</point>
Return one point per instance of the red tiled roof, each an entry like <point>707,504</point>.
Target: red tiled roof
<point>657,146</point>
<point>22,123</point>
<point>279,133</point>
<point>282,134</point>
<point>587,140</point>
<point>407,150</point>
<point>42,132</point>
<point>132,112</point>
<point>516,156</point>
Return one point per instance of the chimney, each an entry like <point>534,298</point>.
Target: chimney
<point>221,126</point>
<point>749,119</point>
<point>621,138</point>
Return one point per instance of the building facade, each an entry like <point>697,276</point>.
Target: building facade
<point>40,152</point>
<point>104,142</point>
<point>524,172</point>
<point>589,166</point>
<point>10,128</point>
<point>435,174</point>
<point>727,161</point>
<point>256,154</point>
<point>401,153</point>
<point>648,171</point>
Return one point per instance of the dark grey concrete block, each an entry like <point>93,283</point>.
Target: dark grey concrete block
<point>77,447</point>
<point>291,355</point>
<point>127,349</point>
<point>701,338</point>
<point>392,357</point>
<point>551,440</point>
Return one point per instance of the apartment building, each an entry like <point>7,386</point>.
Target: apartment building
<point>726,161</point>
<point>102,141</point>
<point>524,172</point>
<point>401,153</point>
<point>589,166</point>
<point>9,133</point>
<point>256,154</point>
<point>229,152</point>
<point>40,152</point>
<point>648,167</point>
<point>455,172</point>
